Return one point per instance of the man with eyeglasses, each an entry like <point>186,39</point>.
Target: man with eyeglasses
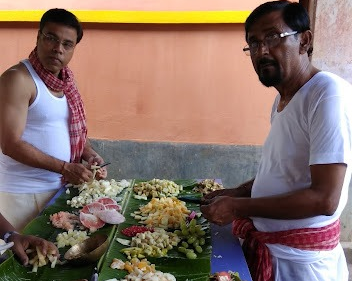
<point>289,214</point>
<point>43,130</point>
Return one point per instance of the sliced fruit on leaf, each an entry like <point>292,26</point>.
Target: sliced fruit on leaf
<point>107,201</point>
<point>110,216</point>
<point>113,207</point>
<point>92,208</point>
<point>124,242</point>
<point>223,276</point>
<point>91,221</point>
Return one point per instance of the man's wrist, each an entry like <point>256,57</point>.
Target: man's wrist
<point>63,168</point>
<point>8,234</point>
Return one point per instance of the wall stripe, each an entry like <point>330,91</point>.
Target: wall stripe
<point>168,17</point>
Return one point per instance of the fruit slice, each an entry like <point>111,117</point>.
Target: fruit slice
<point>91,221</point>
<point>106,201</point>
<point>113,207</point>
<point>223,276</point>
<point>110,216</point>
<point>92,208</point>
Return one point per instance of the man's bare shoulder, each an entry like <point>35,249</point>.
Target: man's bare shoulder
<point>17,79</point>
<point>18,71</point>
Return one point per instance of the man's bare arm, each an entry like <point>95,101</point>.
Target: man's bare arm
<point>17,90</point>
<point>321,198</point>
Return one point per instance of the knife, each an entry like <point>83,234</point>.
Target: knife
<point>190,198</point>
<point>99,166</point>
<point>103,165</point>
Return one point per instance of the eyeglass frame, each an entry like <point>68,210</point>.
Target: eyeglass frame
<point>52,40</point>
<point>247,49</point>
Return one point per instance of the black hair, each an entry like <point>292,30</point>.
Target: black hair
<point>64,17</point>
<point>294,15</point>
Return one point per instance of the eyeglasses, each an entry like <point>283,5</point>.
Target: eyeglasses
<point>52,41</point>
<point>270,41</point>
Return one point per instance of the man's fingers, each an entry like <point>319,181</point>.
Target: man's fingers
<point>205,210</point>
<point>204,201</point>
<point>20,253</point>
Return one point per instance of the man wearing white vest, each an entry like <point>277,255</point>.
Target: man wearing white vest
<point>289,214</point>
<point>43,134</point>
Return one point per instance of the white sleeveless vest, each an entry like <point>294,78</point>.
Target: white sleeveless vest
<point>47,128</point>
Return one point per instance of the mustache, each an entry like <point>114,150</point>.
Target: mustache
<point>264,61</point>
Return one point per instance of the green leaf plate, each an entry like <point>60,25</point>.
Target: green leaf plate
<point>175,263</point>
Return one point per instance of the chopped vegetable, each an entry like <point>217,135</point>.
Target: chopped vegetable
<point>37,259</point>
<point>156,188</point>
<point>153,244</point>
<point>208,185</point>
<point>225,276</point>
<point>70,238</point>
<point>90,192</point>
<point>124,242</point>
<point>65,220</point>
<point>141,270</point>
<point>162,212</point>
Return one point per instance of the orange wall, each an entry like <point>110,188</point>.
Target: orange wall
<point>177,83</point>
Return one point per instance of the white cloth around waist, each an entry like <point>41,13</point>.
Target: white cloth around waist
<point>293,264</point>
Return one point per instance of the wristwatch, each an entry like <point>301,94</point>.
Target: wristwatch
<point>7,235</point>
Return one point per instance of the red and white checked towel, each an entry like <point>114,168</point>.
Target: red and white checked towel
<point>257,254</point>
<point>78,128</point>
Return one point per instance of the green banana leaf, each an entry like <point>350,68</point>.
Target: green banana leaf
<point>12,270</point>
<point>175,263</point>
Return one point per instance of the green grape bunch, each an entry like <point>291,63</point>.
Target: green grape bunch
<point>192,238</point>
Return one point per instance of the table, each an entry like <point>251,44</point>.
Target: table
<point>227,252</point>
<point>226,249</point>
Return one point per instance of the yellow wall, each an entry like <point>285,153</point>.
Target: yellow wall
<point>150,82</point>
<point>137,5</point>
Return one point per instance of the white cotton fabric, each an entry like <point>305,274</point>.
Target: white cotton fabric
<point>20,209</point>
<point>47,129</point>
<point>314,128</point>
<point>328,266</point>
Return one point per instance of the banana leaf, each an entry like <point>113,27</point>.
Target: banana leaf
<point>12,270</point>
<point>175,263</point>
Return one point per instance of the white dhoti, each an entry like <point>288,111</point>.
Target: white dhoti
<point>20,208</point>
<point>291,264</point>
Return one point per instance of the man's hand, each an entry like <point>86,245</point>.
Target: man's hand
<point>24,242</point>
<point>98,160</point>
<point>76,173</point>
<point>221,192</point>
<point>219,210</point>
